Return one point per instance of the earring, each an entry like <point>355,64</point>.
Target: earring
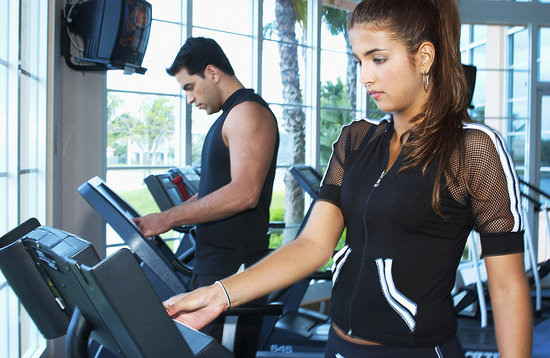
<point>426,81</point>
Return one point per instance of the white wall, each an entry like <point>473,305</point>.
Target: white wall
<point>75,146</point>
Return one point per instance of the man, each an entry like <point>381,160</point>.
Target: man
<point>238,165</point>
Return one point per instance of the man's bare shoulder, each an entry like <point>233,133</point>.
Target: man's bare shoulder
<point>250,110</point>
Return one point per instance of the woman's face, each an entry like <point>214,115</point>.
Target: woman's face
<point>393,82</point>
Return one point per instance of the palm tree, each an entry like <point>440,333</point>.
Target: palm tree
<point>287,14</point>
<point>337,22</point>
<point>293,115</point>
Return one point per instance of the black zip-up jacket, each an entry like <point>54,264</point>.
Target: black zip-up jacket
<point>393,279</point>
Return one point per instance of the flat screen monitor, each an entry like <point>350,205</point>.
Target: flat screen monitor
<point>115,33</point>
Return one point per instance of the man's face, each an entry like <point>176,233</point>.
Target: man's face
<point>200,91</point>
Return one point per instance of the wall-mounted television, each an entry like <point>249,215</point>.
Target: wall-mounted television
<point>108,34</point>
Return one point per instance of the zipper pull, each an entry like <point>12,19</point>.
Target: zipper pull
<point>377,184</point>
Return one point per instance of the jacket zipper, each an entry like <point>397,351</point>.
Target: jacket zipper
<point>376,185</point>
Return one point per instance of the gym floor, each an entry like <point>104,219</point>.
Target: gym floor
<point>480,342</point>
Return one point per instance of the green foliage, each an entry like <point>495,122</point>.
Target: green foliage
<point>336,20</point>
<point>155,122</point>
<point>545,152</point>
<point>333,95</point>
<point>277,213</point>
<point>141,200</point>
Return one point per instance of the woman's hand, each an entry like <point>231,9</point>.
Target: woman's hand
<point>197,308</point>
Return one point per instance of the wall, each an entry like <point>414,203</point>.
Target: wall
<point>76,108</point>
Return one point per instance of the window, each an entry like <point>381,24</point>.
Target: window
<point>310,102</point>
<point>256,57</point>
<point>500,93</point>
<point>342,97</point>
<point>22,151</point>
<point>543,59</point>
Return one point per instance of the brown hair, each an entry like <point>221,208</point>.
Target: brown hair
<point>413,22</point>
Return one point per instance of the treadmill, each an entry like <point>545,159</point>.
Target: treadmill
<point>67,289</point>
<point>174,187</point>
<point>171,189</point>
<point>166,272</point>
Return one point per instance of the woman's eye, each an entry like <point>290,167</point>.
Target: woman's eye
<point>379,60</point>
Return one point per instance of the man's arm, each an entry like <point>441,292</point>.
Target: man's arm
<point>250,132</point>
<point>511,305</point>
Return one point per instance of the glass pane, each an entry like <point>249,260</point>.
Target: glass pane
<point>518,125</point>
<point>141,129</point>
<point>464,35</point>
<point>272,89</point>
<point>519,84</point>
<point>4,322</point>
<point>480,57</point>
<point>238,50</point>
<point>516,145</point>
<point>544,54</point>
<point>4,31</point>
<point>201,122</point>
<point>333,28</point>
<point>168,10</point>
<point>130,186</point>
<point>28,195</point>
<point>29,36</point>
<point>289,142</point>
<point>334,88</point>
<point>545,135</point>
<point>291,34</point>
<point>519,108</point>
<point>26,343</point>
<point>3,205</point>
<point>478,99</point>
<point>159,56</point>
<point>479,33</point>
<point>331,124</point>
<point>277,208</point>
<point>372,109</point>
<point>3,118</point>
<point>28,123</point>
<point>545,114</point>
<point>519,44</point>
<point>232,16</point>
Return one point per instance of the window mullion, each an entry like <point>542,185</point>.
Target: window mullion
<point>312,96</point>
<point>13,115</point>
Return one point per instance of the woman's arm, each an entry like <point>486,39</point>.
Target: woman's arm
<point>285,266</point>
<point>511,305</point>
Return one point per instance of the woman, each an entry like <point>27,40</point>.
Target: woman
<point>409,190</point>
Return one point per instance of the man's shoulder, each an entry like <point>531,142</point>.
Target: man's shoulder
<point>250,109</point>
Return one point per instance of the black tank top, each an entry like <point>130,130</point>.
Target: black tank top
<point>223,245</point>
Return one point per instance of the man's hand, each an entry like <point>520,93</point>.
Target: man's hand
<point>153,224</point>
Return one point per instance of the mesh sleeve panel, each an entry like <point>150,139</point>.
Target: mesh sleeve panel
<point>495,203</point>
<point>351,137</point>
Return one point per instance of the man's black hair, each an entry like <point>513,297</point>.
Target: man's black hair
<point>196,54</point>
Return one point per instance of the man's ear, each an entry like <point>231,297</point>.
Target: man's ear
<point>426,56</point>
<point>212,73</point>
